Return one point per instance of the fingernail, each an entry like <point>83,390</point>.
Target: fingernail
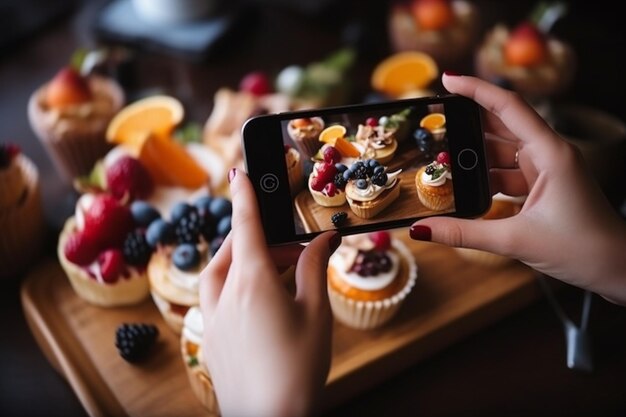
<point>450,73</point>
<point>334,243</point>
<point>420,232</point>
<point>231,174</point>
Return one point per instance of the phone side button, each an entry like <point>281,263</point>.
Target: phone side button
<point>269,183</point>
<point>468,159</point>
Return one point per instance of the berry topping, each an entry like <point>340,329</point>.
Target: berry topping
<point>160,232</point>
<point>128,178</point>
<point>143,213</point>
<point>180,210</point>
<point>107,221</point>
<point>256,83</point>
<point>331,155</point>
<point>135,340</point>
<point>203,204</point>
<point>68,87</point>
<point>429,170</point>
<point>224,225</point>
<point>112,265</point>
<point>330,189</point>
<point>80,249</point>
<point>422,134</point>
<point>317,184</point>
<point>341,168</point>
<point>381,239</point>
<point>136,250</point>
<point>326,171</point>
<point>188,227</point>
<point>221,207</point>
<point>443,158</point>
<point>371,263</point>
<point>361,184</point>
<point>339,218</point>
<point>8,151</point>
<point>380,178</point>
<point>186,256</point>
<point>371,121</point>
<point>359,170</point>
<point>340,181</point>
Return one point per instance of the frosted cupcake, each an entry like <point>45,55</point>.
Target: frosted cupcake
<point>70,115</point>
<point>305,134</point>
<point>369,278</point>
<point>191,350</point>
<point>434,184</point>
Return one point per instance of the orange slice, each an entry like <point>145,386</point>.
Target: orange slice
<point>433,121</point>
<point>331,133</point>
<point>347,149</point>
<point>154,115</point>
<point>403,72</point>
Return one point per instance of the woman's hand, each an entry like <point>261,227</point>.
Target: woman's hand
<point>566,228</point>
<point>268,352</point>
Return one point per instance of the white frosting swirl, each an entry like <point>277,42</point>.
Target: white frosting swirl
<point>440,180</point>
<point>372,190</point>
<point>193,326</point>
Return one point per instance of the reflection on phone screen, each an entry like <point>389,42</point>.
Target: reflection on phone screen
<point>351,169</point>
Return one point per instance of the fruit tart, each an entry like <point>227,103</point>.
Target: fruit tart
<point>70,114</point>
<point>327,185</point>
<point>21,212</point>
<point>183,245</point>
<point>370,188</point>
<point>369,278</point>
<point>434,184</point>
<point>380,142</point>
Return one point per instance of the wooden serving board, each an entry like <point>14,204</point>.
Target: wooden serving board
<point>452,299</point>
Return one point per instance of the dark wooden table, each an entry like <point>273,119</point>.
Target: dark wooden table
<point>515,367</point>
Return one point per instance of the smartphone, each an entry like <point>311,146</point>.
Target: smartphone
<point>366,167</point>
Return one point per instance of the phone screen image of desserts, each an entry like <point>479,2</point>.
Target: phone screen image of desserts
<point>360,168</point>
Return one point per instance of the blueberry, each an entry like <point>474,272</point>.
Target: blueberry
<point>356,165</point>
<point>341,167</point>
<point>361,184</point>
<point>203,203</point>
<point>379,169</point>
<point>180,210</point>
<point>186,256</point>
<point>422,134</point>
<point>143,213</point>
<point>372,163</point>
<point>220,207</point>
<point>223,226</point>
<point>347,174</point>
<point>159,231</point>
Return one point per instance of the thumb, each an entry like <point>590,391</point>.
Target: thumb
<point>311,271</point>
<point>494,236</point>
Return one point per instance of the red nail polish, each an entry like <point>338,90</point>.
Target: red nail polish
<point>451,73</point>
<point>334,242</point>
<point>231,174</point>
<point>420,232</point>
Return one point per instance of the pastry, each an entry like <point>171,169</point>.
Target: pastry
<point>379,142</point>
<point>369,278</point>
<point>447,30</point>
<point>295,169</point>
<point>370,188</point>
<point>305,133</point>
<point>183,245</point>
<point>502,206</point>
<point>70,114</point>
<point>103,250</point>
<point>434,184</point>
<point>21,212</point>
<point>191,350</point>
<point>326,185</point>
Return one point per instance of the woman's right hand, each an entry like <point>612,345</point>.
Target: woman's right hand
<point>566,229</point>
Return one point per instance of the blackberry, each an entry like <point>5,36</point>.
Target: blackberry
<point>135,340</point>
<point>339,218</point>
<point>430,170</point>
<point>360,172</point>
<point>188,227</point>
<point>340,181</point>
<point>380,179</point>
<point>136,250</point>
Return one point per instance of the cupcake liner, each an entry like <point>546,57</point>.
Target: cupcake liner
<point>369,211</point>
<point>296,176</point>
<point>75,148</point>
<point>200,380</point>
<point>435,202</point>
<point>23,225</point>
<point>12,185</point>
<point>367,315</point>
<point>309,144</point>
<point>122,293</point>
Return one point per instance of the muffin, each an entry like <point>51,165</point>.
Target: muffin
<point>183,246</point>
<point>370,188</point>
<point>324,186</point>
<point>21,212</point>
<point>70,114</point>
<point>434,184</point>
<point>295,169</point>
<point>191,350</point>
<point>502,206</point>
<point>369,278</point>
<point>305,134</point>
<point>103,251</point>
<point>446,30</point>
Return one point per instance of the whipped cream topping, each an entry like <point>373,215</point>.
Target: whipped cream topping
<point>437,180</point>
<point>193,326</point>
<point>372,190</point>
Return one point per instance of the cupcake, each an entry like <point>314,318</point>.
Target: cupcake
<point>295,169</point>
<point>379,142</point>
<point>305,134</point>
<point>447,30</point>
<point>434,184</point>
<point>70,114</point>
<point>326,185</point>
<point>370,188</point>
<point>191,350</point>
<point>502,206</point>
<point>369,278</point>
<point>103,250</point>
<point>183,246</point>
<point>21,212</point>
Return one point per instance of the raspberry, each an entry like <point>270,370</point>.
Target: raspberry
<point>371,121</point>
<point>112,265</point>
<point>317,184</point>
<point>136,250</point>
<point>128,178</point>
<point>107,221</point>
<point>381,239</point>
<point>255,83</point>
<point>331,155</point>
<point>330,189</point>
<point>443,158</point>
<point>134,341</point>
<point>80,249</point>
<point>326,172</point>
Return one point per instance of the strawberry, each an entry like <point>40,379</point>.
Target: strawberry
<point>112,265</point>
<point>526,46</point>
<point>107,221</point>
<point>128,178</point>
<point>381,239</point>
<point>67,87</point>
<point>80,249</point>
